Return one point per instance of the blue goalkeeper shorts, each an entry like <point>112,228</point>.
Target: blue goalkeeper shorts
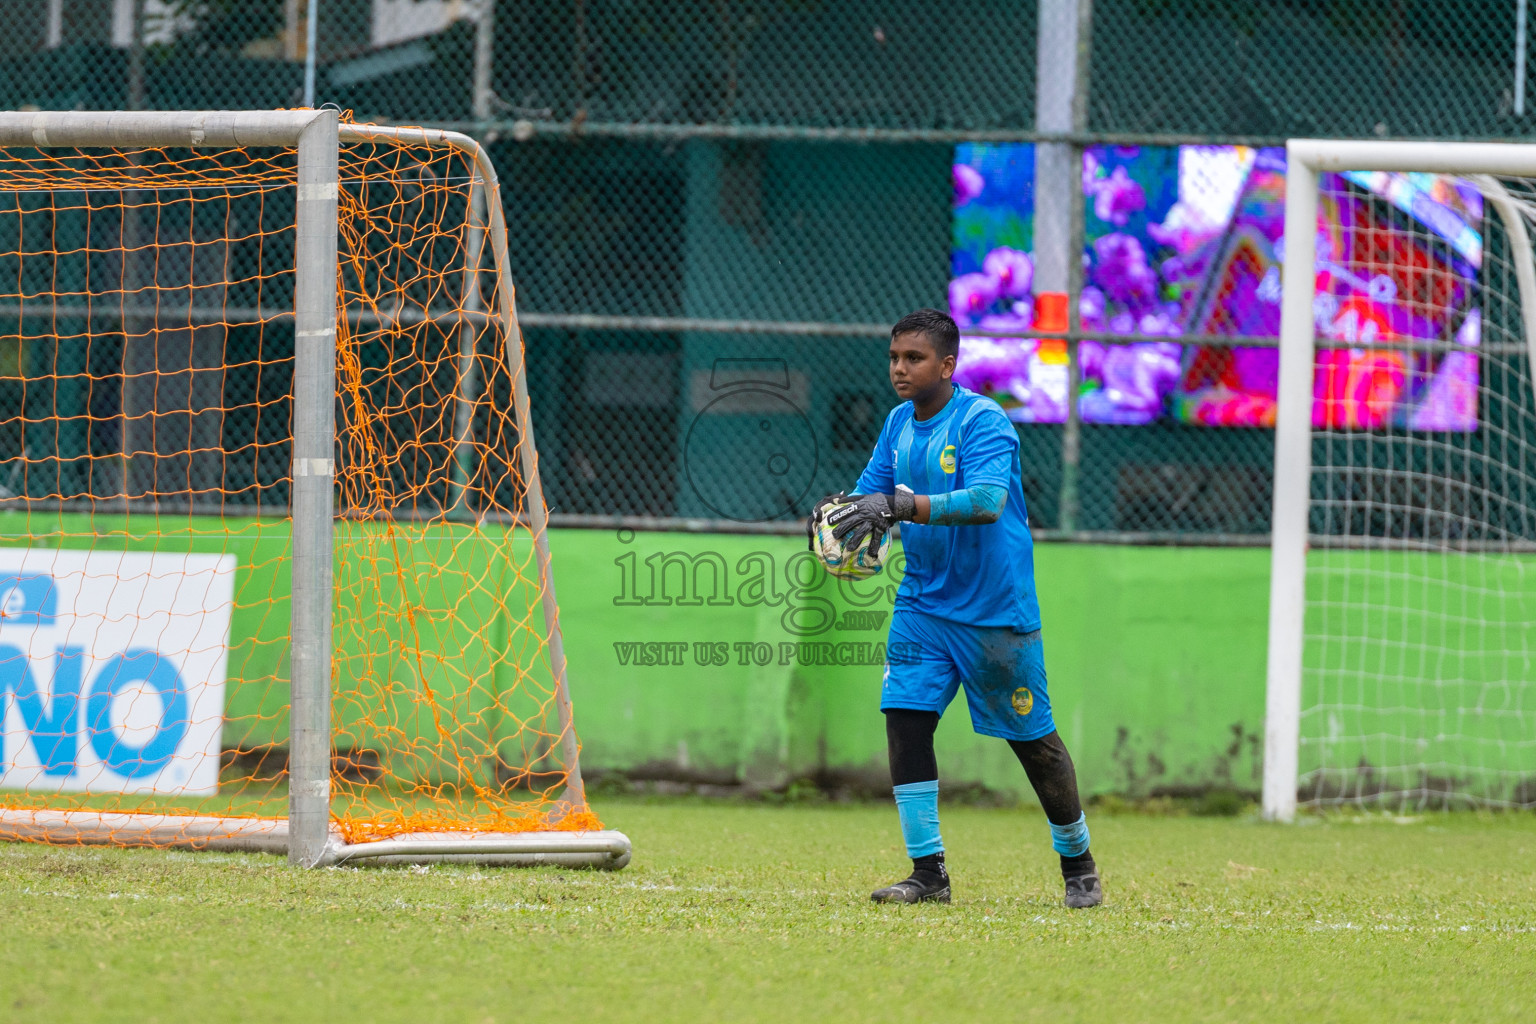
<point>1003,671</point>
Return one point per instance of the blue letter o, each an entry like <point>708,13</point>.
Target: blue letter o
<point>122,671</point>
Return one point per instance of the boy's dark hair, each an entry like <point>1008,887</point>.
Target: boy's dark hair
<point>939,328</point>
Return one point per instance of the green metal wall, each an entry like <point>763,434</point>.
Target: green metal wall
<point>1155,655</point>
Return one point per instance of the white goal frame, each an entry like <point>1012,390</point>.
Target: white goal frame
<point>306,836</point>
<point>1306,159</point>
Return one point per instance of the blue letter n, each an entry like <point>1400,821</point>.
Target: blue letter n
<point>53,723</point>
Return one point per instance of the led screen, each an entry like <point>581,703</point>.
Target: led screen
<point>1188,241</point>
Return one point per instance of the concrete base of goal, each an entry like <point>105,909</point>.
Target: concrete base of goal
<point>604,849</point>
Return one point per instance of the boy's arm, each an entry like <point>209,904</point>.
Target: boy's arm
<point>976,505</point>
<point>988,450</point>
<point>989,456</point>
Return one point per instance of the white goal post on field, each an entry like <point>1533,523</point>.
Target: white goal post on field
<point>308,833</point>
<point>1400,663</point>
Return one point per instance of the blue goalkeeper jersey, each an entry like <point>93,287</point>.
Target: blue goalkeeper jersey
<point>982,575</point>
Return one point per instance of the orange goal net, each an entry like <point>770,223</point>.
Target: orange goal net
<point>151,310</point>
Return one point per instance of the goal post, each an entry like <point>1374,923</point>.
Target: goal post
<point>432,720</point>
<point>1399,667</point>
<point>314,446</point>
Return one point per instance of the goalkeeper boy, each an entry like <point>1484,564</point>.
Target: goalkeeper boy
<point>947,466</point>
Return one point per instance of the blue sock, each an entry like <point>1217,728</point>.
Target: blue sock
<point>918,805</point>
<point>1070,840</point>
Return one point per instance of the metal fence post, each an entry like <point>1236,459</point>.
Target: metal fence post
<point>311,34</point>
<point>1068,502</point>
<point>135,83</point>
<point>1061,105</point>
<point>314,440</point>
<point>1520,11</point>
<point>485,45</point>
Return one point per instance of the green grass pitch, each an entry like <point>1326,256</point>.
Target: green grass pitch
<point>757,912</point>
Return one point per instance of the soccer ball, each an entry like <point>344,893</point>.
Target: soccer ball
<point>859,563</point>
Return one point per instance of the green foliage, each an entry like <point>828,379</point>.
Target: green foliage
<point>752,912</point>
<point>227,26</point>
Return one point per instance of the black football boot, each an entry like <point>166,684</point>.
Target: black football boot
<point>928,883</point>
<point>1083,891</point>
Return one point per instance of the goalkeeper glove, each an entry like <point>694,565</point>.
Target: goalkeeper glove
<point>871,515</point>
<point>810,522</point>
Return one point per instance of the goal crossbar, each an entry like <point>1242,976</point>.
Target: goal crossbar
<point>307,836</point>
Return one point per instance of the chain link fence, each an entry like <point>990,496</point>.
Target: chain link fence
<point>717,209</point>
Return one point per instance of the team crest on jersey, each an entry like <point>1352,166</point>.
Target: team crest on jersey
<point>1023,700</point>
<point>947,459</point>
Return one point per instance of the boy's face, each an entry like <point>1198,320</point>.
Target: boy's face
<point>916,369</point>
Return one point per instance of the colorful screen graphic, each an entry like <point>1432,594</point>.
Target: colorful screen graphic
<point>1189,241</point>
